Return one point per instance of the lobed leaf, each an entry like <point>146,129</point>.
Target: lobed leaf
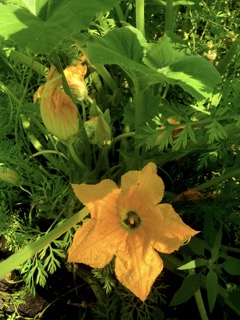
<point>41,25</point>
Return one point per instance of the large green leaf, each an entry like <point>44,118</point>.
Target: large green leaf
<point>40,24</point>
<point>194,74</point>
<point>123,46</point>
<point>168,48</point>
<point>126,47</point>
<point>172,57</point>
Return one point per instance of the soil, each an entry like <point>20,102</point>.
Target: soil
<point>67,298</point>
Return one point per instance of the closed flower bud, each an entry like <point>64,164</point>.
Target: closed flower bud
<point>10,176</point>
<point>90,127</point>
<point>103,132</point>
<point>59,113</point>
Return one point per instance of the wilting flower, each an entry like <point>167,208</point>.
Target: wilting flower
<point>128,223</point>
<point>59,113</point>
<point>75,78</point>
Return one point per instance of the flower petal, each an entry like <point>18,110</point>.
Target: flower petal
<point>172,231</point>
<point>148,182</point>
<point>137,265</point>
<point>88,193</point>
<point>95,244</point>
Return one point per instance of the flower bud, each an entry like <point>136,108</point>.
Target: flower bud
<point>103,132</point>
<point>10,176</point>
<point>59,113</point>
<point>90,127</point>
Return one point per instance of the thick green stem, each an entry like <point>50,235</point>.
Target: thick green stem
<point>199,300</point>
<point>106,77</point>
<point>169,22</point>
<point>140,16</point>
<point>75,157</point>
<point>31,249</point>
<point>119,12</point>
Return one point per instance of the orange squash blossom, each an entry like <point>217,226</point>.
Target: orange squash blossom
<point>75,78</point>
<point>129,223</point>
<point>58,112</point>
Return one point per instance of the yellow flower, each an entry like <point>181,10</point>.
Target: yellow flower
<point>59,113</point>
<point>75,78</point>
<point>129,223</point>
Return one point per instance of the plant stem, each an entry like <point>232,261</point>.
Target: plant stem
<point>199,300</point>
<point>31,249</point>
<point>140,16</point>
<point>169,23</point>
<point>123,136</point>
<point>119,12</point>
<point>218,180</point>
<point>106,77</point>
<point>75,157</point>
<point>172,263</point>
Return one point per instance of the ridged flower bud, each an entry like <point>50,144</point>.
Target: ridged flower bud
<point>103,132</point>
<point>10,176</point>
<point>59,113</point>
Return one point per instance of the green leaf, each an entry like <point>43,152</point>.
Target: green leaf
<point>172,57</point>
<point>182,137</point>
<point>123,46</point>
<point>189,286</point>
<point>194,74</point>
<point>212,288</point>
<point>41,25</point>
<point>193,264</point>
<point>234,295</point>
<point>168,48</point>
<point>36,7</point>
<point>216,132</point>
<point>232,266</point>
<point>216,245</point>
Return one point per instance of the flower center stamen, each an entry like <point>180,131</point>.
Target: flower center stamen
<point>132,220</point>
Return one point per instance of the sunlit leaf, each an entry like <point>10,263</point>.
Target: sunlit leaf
<point>172,57</point>
<point>41,25</point>
<point>194,74</point>
<point>124,46</point>
<point>212,288</point>
<point>188,288</point>
<point>168,48</point>
<point>193,264</point>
